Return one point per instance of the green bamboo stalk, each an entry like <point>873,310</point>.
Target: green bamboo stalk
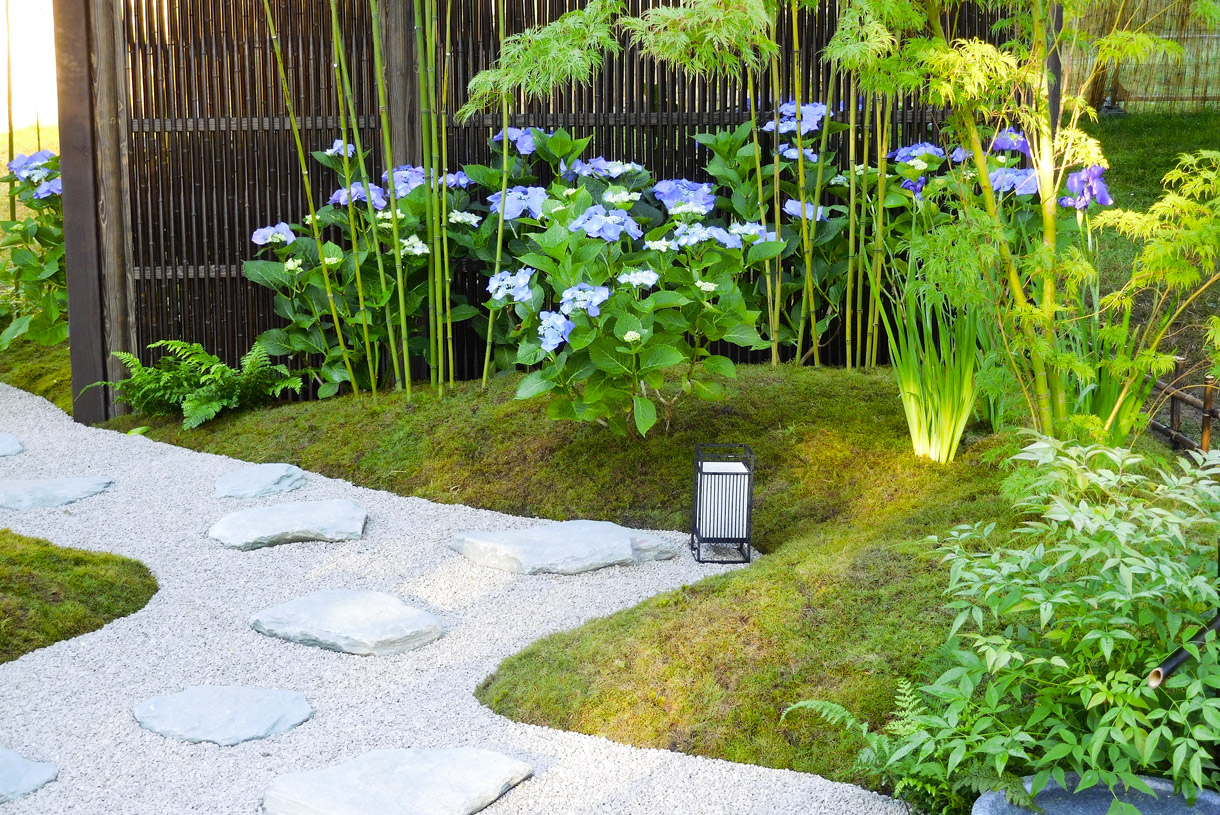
<point>809,304</point>
<point>806,246</point>
<point>343,91</point>
<point>776,304</point>
<point>313,213</point>
<point>762,209</point>
<point>387,149</point>
<point>436,190</point>
<point>883,146</point>
<point>445,79</point>
<point>865,144</point>
<point>491,316</point>
<point>422,46</point>
<point>851,223</point>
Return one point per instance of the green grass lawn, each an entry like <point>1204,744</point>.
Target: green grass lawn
<point>49,593</point>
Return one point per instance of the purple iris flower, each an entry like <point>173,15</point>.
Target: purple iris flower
<point>1011,139</point>
<point>916,186</point>
<point>554,330</point>
<point>48,188</point>
<point>280,233</point>
<point>672,192</point>
<point>357,193</point>
<point>904,155</point>
<point>1018,182</point>
<point>609,226</point>
<point>518,200</point>
<point>28,168</point>
<point>1088,186</point>
<point>583,297</point>
<point>793,208</point>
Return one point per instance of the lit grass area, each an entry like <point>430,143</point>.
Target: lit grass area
<point>49,593</point>
<point>41,370</point>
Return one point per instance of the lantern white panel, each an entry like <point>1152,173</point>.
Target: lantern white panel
<point>724,500</point>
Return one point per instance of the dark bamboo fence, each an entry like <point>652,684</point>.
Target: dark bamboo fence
<point>189,147</point>
<point>1179,394</point>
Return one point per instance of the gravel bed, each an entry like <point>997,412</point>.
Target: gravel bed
<point>70,703</point>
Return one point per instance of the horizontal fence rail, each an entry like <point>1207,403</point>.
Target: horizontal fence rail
<point>1180,397</point>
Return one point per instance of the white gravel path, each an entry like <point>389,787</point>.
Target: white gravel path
<point>71,702</point>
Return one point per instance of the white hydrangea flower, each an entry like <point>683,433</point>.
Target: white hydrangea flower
<point>307,220</point>
<point>621,197</point>
<point>706,285</point>
<point>332,257</point>
<point>632,336</point>
<point>468,218</point>
<point>570,191</point>
<point>414,246</point>
<point>861,169</point>
<point>839,180</point>
<point>1001,159</point>
<point>919,164</point>
<point>293,264</point>
<point>661,245</point>
<point>385,216</point>
<point>687,208</point>
<point>276,237</point>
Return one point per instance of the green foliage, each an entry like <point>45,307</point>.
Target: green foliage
<point>33,286</point>
<point>1053,638</point>
<point>708,38</point>
<point>50,593</point>
<point>195,383</point>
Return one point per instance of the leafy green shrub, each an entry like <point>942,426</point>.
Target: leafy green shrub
<point>33,285</point>
<point>1118,572</point>
<point>190,381</point>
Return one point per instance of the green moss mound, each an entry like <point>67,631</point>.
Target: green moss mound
<point>49,593</point>
<point>41,370</point>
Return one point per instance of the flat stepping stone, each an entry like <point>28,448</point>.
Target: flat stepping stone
<point>9,445</point>
<point>415,781</point>
<point>369,623</point>
<point>20,776</point>
<point>1055,800</point>
<point>224,715</point>
<point>337,520</point>
<point>260,480</point>
<point>567,547</point>
<point>45,493</point>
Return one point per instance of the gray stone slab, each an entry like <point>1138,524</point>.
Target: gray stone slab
<point>254,528</point>
<point>369,623</point>
<point>416,781</point>
<point>19,776</point>
<point>9,445</point>
<point>45,493</point>
<point>260,480</point>
<point>567,547</point>
<point>1096,800</point>
<point>223,714</point>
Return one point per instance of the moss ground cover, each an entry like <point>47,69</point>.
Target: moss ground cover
<point>49,593</point>
<point>39,370</point>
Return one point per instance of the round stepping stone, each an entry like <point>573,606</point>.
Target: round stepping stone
<point>9,445</point>
<point>20,776</point>
<point>225,715</point>
<point>567,547</point>
<point>254,528</point>
<point>260,480</point>
<point>369,623</point>
<point>44,493</point>
<point>416,781</point>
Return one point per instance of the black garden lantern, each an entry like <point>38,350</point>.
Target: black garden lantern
<point>722,513</point>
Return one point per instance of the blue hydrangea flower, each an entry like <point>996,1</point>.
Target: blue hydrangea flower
<point>793,208</point>
<point>916,186</point>
<point>1088,186</point>
<point>31,168</point>
<point>518,200</point>
<point>1018,182</point>
<point>959,154</point>
<point>639,278</point>
<point>812,115</point>
<point>693,234</point>
<point>280,233</point>
<point>583,297</point>
<point>904,155</point>
<point>458,179</point>
<point>49,188</point>
<point>676,191</point>
<point>406,178</point>
<point>357,193</point>
<point>340,147</point>
<point>609,226</point>
<point>507,284</point>
<point>1011,139</point>
<point>754,230</point>
<point>554,330</point>
<point>599,167</point>
<point>522,139</point>
<point>790,152</point>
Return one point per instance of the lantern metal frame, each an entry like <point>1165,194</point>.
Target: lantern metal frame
<point>706,534</point>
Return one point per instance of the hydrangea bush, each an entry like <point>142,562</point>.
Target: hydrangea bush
<point>33,286</point>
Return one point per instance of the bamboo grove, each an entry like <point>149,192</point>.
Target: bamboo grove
<point>966,260</point>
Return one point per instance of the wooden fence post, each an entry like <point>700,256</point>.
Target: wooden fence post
<point>1209,385</point>
<point>402,69</point>
<point>93,164</point>
<point>1175,401</point>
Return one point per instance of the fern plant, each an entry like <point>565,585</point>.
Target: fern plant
<point>197,384</point>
